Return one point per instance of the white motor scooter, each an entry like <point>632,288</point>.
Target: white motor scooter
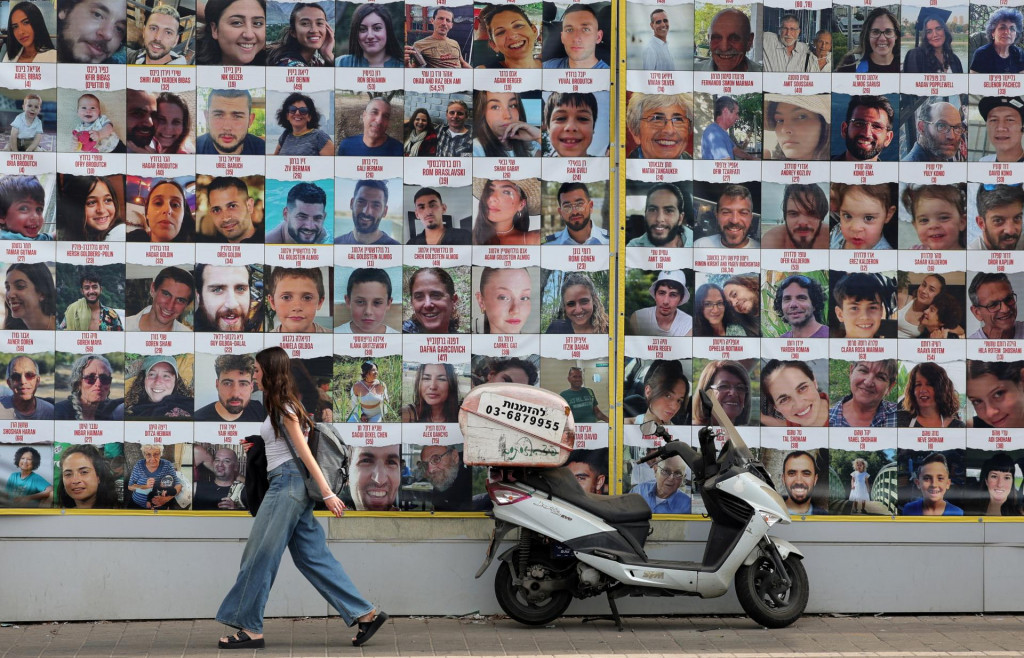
<point>574,544</point>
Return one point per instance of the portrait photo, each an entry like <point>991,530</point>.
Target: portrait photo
<point>89,387</point>
<point>862,304</point>
<point>28,207</point>
<point>369,35</point>
<point>368,300</point>
<point>659,38</point>
<point>369,389</point>
<point>27,473</point>
<point>577,36</point>
<point>867,480</point>
<point>33,127</point>
<point>91,208</point>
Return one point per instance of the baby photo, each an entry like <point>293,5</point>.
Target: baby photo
<point>34,127</point>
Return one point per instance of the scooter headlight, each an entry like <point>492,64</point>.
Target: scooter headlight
<point>769,518</point>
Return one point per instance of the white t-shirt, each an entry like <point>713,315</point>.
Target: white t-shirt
<point>906,328</point>
<point>643,322</point>
<point>131,323</point>
<point>658,57</point>
<point>27,130</point>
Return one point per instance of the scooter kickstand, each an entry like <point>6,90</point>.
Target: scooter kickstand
<point>612,617</point>
<point>615,612</point>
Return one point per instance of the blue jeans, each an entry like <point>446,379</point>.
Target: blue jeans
<point>286,519</point>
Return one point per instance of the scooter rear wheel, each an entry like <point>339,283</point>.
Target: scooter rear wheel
<point>513,600</point>
<point>765,599</point>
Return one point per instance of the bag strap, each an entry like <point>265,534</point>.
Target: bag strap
<point>291,448</point>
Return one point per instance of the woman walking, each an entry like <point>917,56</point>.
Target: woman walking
<point>285,519</point>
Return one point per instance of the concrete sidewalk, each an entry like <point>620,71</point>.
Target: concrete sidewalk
<point>897,636</point>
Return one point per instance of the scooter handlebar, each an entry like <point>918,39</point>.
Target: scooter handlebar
<point>657,454</point>
<point>686,451</point>
<point>676,448</point>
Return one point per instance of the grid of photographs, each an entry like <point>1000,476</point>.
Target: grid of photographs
<point>818,205</point>
<point>410,199</point>
<point>822,217</point>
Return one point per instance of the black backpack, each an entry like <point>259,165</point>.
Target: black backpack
<point>331,454</point>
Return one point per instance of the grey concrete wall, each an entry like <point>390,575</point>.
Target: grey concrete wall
<point>68,567</point>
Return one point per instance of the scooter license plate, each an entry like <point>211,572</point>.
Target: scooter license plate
<point>560,551</point>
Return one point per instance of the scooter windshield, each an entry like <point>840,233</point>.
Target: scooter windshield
<point>739,446</point>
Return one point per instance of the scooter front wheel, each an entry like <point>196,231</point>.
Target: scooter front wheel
<point>514,601</point>
<point>765,598</point>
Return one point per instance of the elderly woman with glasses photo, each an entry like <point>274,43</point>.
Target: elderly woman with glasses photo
<point>730,383</point>
<point>661,125</point>
<point>1001,54</point>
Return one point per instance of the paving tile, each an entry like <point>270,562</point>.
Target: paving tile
<point>843,636</point>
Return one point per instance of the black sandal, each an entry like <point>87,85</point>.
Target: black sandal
<point>368,628</point>
<point>241,640</point>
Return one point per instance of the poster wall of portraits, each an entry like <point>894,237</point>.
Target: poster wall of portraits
<point>811,210</point>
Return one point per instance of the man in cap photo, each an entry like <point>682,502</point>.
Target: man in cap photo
<point>1004,126</point>
<point>664,318</point>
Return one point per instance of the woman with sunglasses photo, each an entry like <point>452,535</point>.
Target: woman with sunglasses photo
<point>301,122</point>
<point>90,380</point>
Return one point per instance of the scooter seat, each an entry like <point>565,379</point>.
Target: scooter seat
<point>562,483</point>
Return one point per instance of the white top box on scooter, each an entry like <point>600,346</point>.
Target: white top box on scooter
<point>515,425</point>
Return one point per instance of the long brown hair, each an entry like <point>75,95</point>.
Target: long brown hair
<point>946,398</point>
<point>451,403</point>
<point>492,146</point>
<point>167,98</point>
<point>279,395</point>
<point>74,192</point>
<point>483,230</point>
<point>288,43</point>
